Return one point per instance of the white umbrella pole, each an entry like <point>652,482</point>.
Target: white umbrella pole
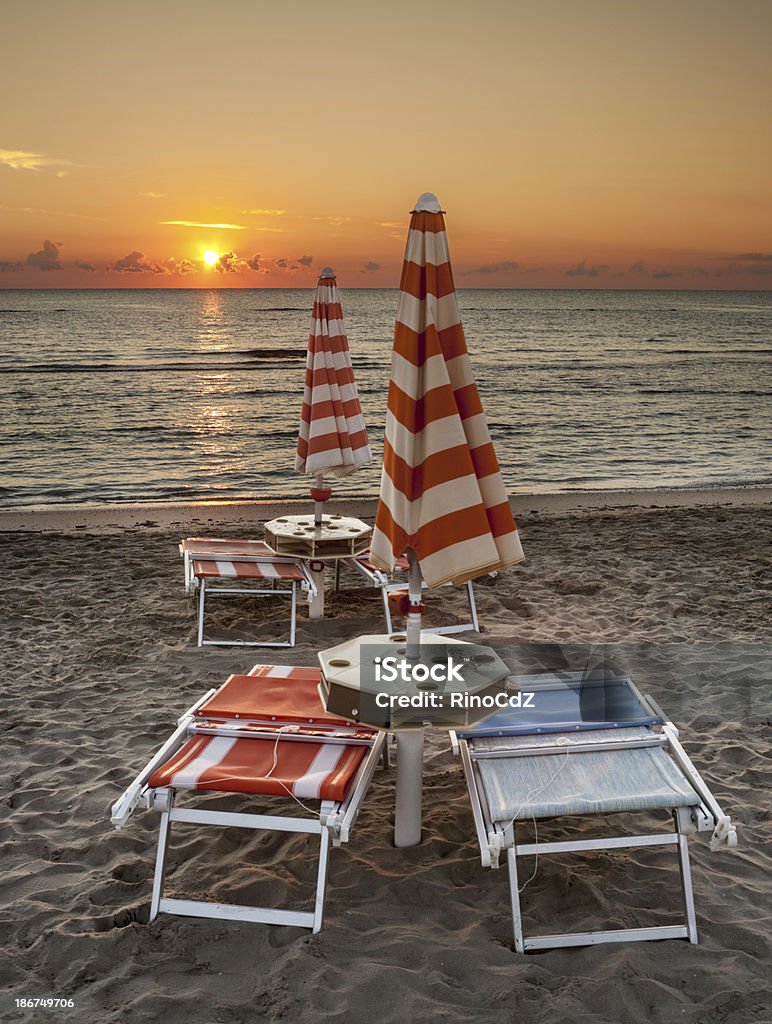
<point>410,742</point>
<point>319,505</point>
<point>415,587</point>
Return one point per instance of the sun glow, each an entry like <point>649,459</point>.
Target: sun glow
<point>211,257</point>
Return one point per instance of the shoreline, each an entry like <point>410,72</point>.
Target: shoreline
<point>164,515</point>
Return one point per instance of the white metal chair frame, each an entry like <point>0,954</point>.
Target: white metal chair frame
<point>496,837</point>
<point>336,819</point>
<point>278,588</point>
<point>387,586</point>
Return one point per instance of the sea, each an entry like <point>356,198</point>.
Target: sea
<point>149,395</point>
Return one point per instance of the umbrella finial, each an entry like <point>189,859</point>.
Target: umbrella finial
<point>428,203</point>
<point>327,272</point>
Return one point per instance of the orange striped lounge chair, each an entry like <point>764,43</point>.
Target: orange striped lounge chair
<point>221,567</point>
<point>394,594</point>
<point>262,735</point>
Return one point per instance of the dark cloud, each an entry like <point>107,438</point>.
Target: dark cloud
<point>10,266</point>
<point>508,266</point>
<point>305,261</point>
<point>754,257</point>
<point>638,267</point>
<point>175,266</point>
<point>230,263</point>
<point>85,266</point>
<point>662,275</point>
<point>757,269</point>
<point>47,258</point>
<point>137,263</point>
<point>370,267</point>
<point>582,270</point>
<point>254,264</point>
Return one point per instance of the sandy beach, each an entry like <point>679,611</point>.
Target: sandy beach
<point>100,659</point>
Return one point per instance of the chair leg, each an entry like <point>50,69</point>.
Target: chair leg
<point>686,887</point>
<point>514,895</point>
<point>472,606</point>
<point>293,613</point>
<point>386,610</point>
<point>201,603</point>
<point>160,860</point>
<point>321,880</point>
<point>337,574</point>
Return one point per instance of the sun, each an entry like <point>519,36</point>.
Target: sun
<point>211,257</point>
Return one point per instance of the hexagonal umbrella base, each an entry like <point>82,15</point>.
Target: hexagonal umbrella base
<point>452,683</point>
<point>336,537</point>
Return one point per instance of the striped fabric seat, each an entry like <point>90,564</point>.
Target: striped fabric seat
<point>580,782</point>
<point>400,564</point>
<point>333,436</point>
<point>198,546</point>
<point>441,489</point>
<point>271,693</point>
<point>226,764</point>
<point>224,568</point>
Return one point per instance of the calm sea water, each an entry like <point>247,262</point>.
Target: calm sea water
<point>122,396</point>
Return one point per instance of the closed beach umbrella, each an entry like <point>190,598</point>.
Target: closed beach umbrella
<point>442,499</point>
<point>333,436</point>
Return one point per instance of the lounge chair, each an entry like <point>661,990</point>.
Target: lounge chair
<point>243,565</point>
<point>394,594</point>
<point>203,547</point>
<point>262,735</point>
<point>588,745</point>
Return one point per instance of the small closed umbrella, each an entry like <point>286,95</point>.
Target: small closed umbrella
<point>332,437</point>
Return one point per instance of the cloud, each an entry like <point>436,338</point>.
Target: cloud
<point>390,224</point>
<point>199,224</point>
<point>370,267</point>
<point>254,264</point>
<point>230,263</point>
<point>754,257</point>
<point>175,266</point>
<point>638,268</point>
<point>10,266</point>
<point>582,270</point>
<point>266,213</point>
<point>47,258</point>
<point>662,275</point>
<point>335,222</point>
<point>305,261</point>
<point>508,266</point>
<point>137,263</point>
<point>85,266</point>
<point>22,160</point>
<point>532,270</point>
<point>52,213</point>
<point>152,195</point>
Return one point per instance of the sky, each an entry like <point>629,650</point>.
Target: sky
<point>573,143</point>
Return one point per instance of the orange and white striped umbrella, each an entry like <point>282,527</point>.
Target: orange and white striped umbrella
<point>441,489</point>
<point>333,436</point>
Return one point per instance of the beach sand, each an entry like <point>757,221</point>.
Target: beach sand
<point>99,659</point>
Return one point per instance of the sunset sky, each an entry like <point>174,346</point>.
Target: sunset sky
<point>573,143</point>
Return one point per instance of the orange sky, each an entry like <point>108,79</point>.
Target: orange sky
<point>574,143</point>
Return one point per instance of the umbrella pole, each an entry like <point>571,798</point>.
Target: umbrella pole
<point>410,742</point>
<point>319,505</point>
<point>415,586</point>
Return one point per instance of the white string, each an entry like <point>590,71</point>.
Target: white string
<point>562,741</point>
<point>279,730</point>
